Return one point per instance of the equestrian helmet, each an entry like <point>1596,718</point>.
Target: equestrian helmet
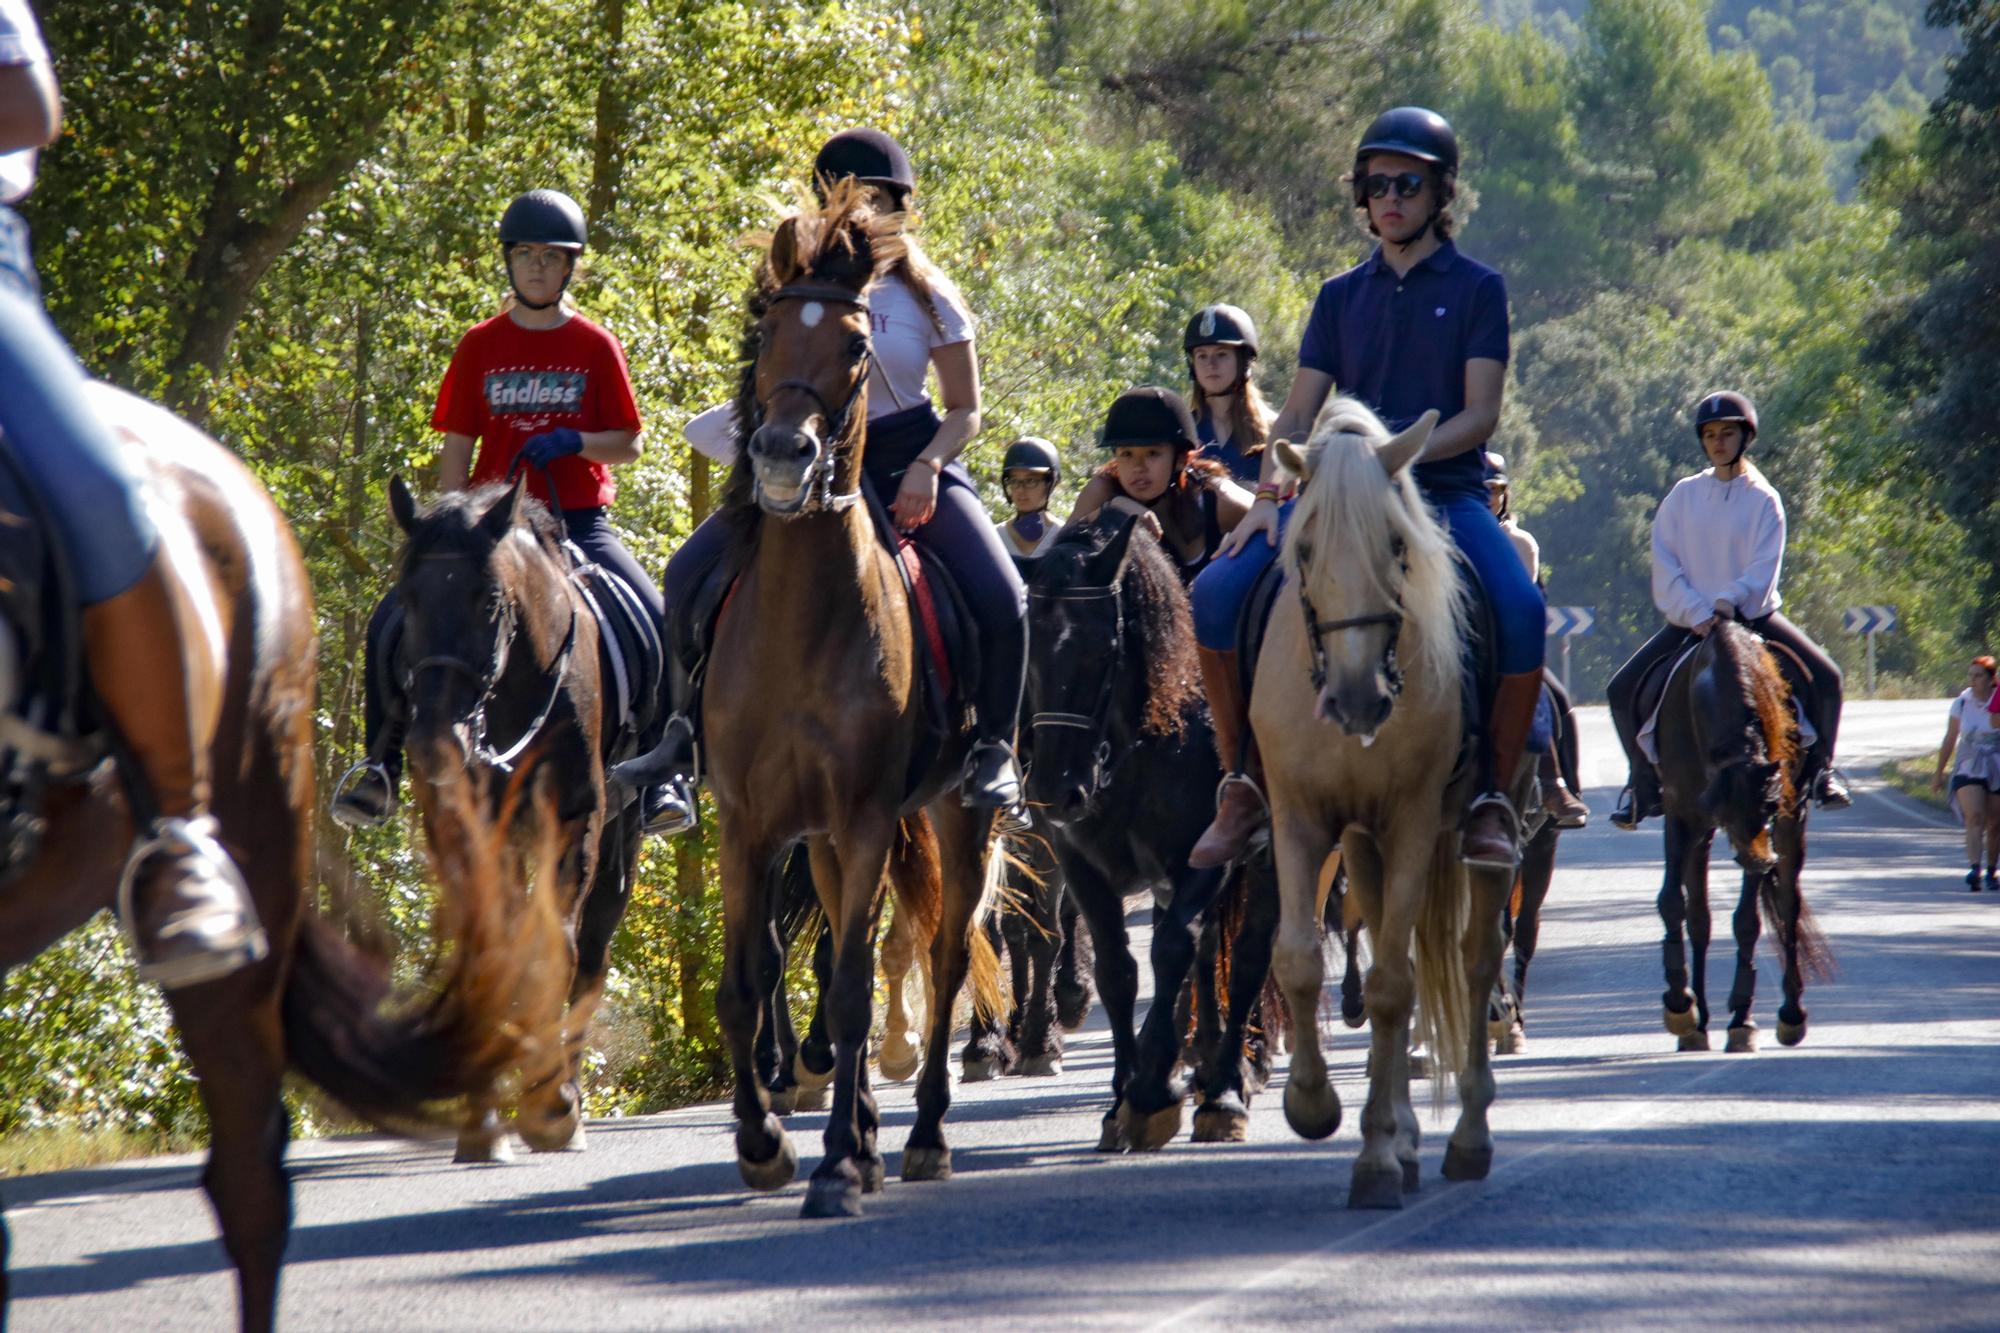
<point>543,217</point>
<point>1221,325</point>
<point>1495,468</point>
<point>870,156</point>
<point>1149,415</point>
<point>1032,453</point>
<point>1727,405</point>
<point>1413,131</point>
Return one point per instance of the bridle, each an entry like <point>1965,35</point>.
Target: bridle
<point>819,478</point>
<point>1317,629</point>
<point>1096,722</point>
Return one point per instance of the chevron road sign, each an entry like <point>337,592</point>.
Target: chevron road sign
<point>1868,619</point>
<point>1565,621</point>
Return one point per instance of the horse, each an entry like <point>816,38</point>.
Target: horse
<point>1730,758</point>
<point>813,728</point>
<point>317,1003</point>
<point>501,656</point>
<point>1521,926</point>
<point>1377,653</point>
<point>1028,1039</point>
<point>1122,750</point>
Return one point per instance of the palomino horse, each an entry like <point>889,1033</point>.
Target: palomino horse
<point>814,710</point>
<point>315,1003</point>
<point>1730,758</point>
<point>1377,653</point>
<point>501,656</point>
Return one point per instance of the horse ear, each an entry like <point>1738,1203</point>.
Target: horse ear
<point>785,251</point>
<point>1296,459</point>
<point>402,504</point>
<point>1402,450</point>
<point>1110,562</point>
<point>506,511</point>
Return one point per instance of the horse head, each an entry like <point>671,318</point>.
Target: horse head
<point>1367,559</point>
<point>809,352</point>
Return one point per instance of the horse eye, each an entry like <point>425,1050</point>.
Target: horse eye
<point>857,344</point>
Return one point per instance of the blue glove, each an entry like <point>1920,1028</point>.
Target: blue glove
<point>544,449</point>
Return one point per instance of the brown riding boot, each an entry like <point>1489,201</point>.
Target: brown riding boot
<point>1560,802</point>
<point>1239,807</point>
<point>181,898</point>
<point>1493,830</point>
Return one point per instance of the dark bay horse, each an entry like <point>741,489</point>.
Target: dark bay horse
<point>1730,758</point>
<point>316,1003</point>
<point>502,661</point>
<point>1122,750</point>
<point>814,710</point>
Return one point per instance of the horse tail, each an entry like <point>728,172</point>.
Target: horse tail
<point>917,870</point>
<point>1814,953</point>
<point>1442,988</point>
<point>1514,900</point>
<point>1230,906</point>
<point>489,1012</point>
<point>989,990</point>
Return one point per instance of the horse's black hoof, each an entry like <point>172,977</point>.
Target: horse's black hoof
<point>1150,1132</point>
<point>1413,1174</point>
<point>832,1196</point>
<point>784,1103</point>
<point>774,1174</point>
<point>927,1164</point>
<point>1376,1187</point>
<point>1742,1040</point>
<point>1312,1114</point>
<point>1467,1163</point>
<point>1113,1139</point>
<point>1791,1034</point>
<point>1224,1120</point>
<point>978,1071</point>
<point>1041,1066</point>
<point>872,1172</point>
<point>1695,1041</point>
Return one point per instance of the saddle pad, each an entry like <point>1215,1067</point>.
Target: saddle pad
<point>1648,738</point>
<point>925,605</point>
<point>630,642</point>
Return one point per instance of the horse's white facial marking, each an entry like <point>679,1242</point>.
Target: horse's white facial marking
<point>811,314</point>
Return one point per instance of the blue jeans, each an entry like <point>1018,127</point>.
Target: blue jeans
<point>100,520</point>
<point>1520,617</point>
<point>1220,590</point>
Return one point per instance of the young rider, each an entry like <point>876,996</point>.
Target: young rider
<point>540,386</point>
<point>1155,473</point>
<point>1230,413</point>
<point>1972,737</point>
<point>190,916</point>
<point>1560,802</point>
<point>920,324</point>
<point>1415,326</point>
<point>1029,474</point>
<point>1718,545</point>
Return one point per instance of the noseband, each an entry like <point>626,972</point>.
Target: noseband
<point>819,479</point>
<point>1316,628</point>
<point>1097,722</point>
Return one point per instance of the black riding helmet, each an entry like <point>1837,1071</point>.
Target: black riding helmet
<point>1728,405</point>
<point>1495,468</point>
<point>871,157</point>
<point>1221,325</point>
<point>1412,131</point>
<point>542,217</point>
<point>1032,453</point>
<point>1149,415</point>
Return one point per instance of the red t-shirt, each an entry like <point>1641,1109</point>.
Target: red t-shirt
<point>506,384</point>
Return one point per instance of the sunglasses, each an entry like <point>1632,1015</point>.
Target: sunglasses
<point>1408,185</point>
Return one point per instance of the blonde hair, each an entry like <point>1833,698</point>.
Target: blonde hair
<point>925,278</point>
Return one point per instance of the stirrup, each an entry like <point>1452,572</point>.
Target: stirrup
<point>197,837</point>
<point>665,822</point>
<point>345,813</point>
<point>1243,780</point>
<point>1496,800</point>
<point>1011,762</point>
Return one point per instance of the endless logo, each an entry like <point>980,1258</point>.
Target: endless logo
<point>512,391</point>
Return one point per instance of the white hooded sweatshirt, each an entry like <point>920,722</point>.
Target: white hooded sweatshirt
<point>1718,541</point>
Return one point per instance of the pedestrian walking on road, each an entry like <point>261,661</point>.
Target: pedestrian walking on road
<point>1973,737</point>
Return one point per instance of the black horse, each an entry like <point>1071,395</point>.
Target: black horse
<point>1730,758</point>
<point>1036,929</point>
<point>1508,1013</point>
<point>1122,752</point>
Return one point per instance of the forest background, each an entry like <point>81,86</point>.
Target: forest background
<point>278,217</point>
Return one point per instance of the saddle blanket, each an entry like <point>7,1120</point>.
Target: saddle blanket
<point>1648,731</point>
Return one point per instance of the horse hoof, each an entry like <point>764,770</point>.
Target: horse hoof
<point>786,1102</point>
<point>873,1173</point>
<point>898,1068</point>
<point>483,1151</point>
<point>813,1099</point>
<point>1420,1064</point>
<point>1041,1066</point>
<point>1695,1041</point>
<point>927,1164</point>
<point>1072,1007</point>
<point>1113,1138</point>
<point>1150,1133</point>
<point>1496,1028</point>
<point>977,1071</point>
<point>774,1174</point>
<point>1312,1115</point>
<point>1224,1121</point>
<point>1742,1041</point>
<point>1413,1175</point>
<point>809,1079</point>
<point>832,1196</point>
<point>1376,1187</point>
<point>1511,1042</point>
<point>1680,1022</point>
<point>1791,1034</point>
<point>563,1135</point>
<point>1467,1163</point>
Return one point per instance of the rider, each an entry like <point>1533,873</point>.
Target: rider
<point>538,386</point>
<point>1560,802</point>
<point>189,915</point>
<point>919,323</point>
<point>1155,472</point>
<point>1029,474</point>
<point>1229,409</point>
<point>1415,326</point>
<point>1718,544</point>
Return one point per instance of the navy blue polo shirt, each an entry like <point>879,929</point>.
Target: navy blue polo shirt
<point>1243,467</point>
<point>1400,345</point>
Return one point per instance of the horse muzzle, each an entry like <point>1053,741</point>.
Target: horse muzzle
<point>1358,711</point>
<point>782,462</point>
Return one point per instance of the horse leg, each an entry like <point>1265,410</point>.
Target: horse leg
<point>1150,1113</point>
<point>1299,847</point>
<point>1700,926</point>
<point>1743,986</point>
<point>1678,1001</point>
<point>1224,1114</point>
<point>1075,964</point>
<point>1041,1041</point>
<point>1103,913</point>
<point>1788,837</point>
<point>765,1156</point>
<point>847,879</point>
<point>814,1065</point>
<point>1386,1167</point>
<point>1469,1154</point>
<point>900,1051</point>
<point>1538,868</point>
<point>1207,998</point>
<point>988,1053</point>
<point>1014,925</point>
<point>964,840</point>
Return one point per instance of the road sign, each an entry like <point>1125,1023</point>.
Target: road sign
<point>1869,619</point>
<point>1568,621</point>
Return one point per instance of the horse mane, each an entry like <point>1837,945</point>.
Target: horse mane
<point>1740,653</point>
<point>1158,624</point>
<point>1348,514</point>
<point>450,523</point>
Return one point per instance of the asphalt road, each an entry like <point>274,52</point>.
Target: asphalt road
<point>1851,1182</point>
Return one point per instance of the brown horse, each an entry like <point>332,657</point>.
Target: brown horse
<point>315,1003</point>
<point>814,710</point>
<point>1378,649</point>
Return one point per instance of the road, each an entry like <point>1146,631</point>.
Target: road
<point>1851,1182</point>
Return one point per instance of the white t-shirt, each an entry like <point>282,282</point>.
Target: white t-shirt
<point>1978,740</point>
<point>20,44</point>
<point>904,339</point>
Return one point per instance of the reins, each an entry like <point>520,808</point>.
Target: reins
<point>1317,629</point>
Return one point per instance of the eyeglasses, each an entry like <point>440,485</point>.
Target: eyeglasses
<point>1407,185</point>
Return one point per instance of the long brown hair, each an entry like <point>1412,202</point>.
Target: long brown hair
<point>1250,416</point>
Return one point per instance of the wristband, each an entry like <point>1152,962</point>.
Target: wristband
<point>1269,490</point>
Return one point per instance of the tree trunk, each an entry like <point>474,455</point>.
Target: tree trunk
<point>608,157</point>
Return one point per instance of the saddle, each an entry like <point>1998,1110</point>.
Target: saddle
<point>1652,692</point>
<point>630,645</point>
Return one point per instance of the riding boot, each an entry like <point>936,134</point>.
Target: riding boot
<point>365,795</point>
<point>1831,789</point>
<point>1493,828</point>
<point>1640,800</point>
<point>1557,798</point>
<point>1239,808</point>
<point>665,775</point>
<point>182,900</point>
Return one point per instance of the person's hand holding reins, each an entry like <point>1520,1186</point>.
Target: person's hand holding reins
<point>1263,517</point>
<point>546,448</point>
<point>916,498</point>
